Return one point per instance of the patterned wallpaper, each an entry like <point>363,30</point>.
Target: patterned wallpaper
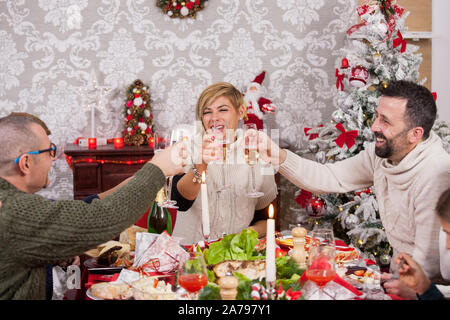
<point>50,48</point>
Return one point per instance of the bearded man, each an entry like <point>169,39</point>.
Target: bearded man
<point>407,166</point>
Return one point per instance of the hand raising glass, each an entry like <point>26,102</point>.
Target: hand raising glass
<point>251,156</point>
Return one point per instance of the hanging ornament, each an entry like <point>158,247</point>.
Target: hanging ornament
<point>316,207</point>
<point>359,76</point>
<point>351,221</point>
<point>385,259</point>
<point>313,147</point>
<point>321,157</point>
<point>376,57</point>
<point>344,63</point>
<point>338,116</point>
<point>340,80</point>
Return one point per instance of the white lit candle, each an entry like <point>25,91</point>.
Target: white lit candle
<point>205,208</point>
<point>271,274</point>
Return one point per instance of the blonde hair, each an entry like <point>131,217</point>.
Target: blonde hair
<point>216,90</point>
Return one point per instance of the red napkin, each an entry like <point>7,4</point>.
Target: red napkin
<point>339,281</point>
<point>95,278</point>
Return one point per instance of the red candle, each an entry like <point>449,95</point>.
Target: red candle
<point>151,142</point>
<point>92,143</point>
<point>118,143</point>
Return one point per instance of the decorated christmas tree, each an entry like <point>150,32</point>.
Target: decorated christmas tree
<point>375,53</point>
<point>138,115</point>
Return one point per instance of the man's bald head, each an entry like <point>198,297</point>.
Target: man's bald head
<point>16,138</point>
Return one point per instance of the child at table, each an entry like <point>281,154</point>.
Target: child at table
<point>411,273</point>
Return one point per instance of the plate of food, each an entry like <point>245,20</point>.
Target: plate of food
<point>146,288</point>
<point>112,257</point>
<point>359,276</point>
<point>344,253</point>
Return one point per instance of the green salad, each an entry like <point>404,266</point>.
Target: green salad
<point>242,247</point>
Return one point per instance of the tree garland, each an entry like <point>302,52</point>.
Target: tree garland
<point>181,9</point>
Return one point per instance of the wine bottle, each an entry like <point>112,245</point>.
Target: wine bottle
<point>159,218</point>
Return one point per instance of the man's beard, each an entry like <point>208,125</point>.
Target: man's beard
<point>388,148</point>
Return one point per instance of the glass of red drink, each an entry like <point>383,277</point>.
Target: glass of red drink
<point>193,276</point>
<point>321,260</point>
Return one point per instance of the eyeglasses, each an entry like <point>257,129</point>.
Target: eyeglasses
<point>51,150</point>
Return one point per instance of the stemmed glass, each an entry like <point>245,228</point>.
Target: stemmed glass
<point>223,139</point>
<point>321,260</point>
<point>251,157</point>
<point>193,276</point>
<point>162,142</point>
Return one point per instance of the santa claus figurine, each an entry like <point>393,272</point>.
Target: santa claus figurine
<point>257,106</point>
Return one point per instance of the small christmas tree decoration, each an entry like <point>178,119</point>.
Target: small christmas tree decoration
<point>375,54</point>
<point>138,115</point>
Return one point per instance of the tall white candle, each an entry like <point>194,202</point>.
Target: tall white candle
<point>205,208</point>
<point>271,273</point>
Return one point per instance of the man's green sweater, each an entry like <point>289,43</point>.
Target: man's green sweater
<point>35,231</point>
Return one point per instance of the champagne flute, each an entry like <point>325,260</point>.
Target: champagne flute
<point>193,276</point>
<point>251,157</point>
<point>174,137</point>
<point>321,259</point>
<point>223,139</point>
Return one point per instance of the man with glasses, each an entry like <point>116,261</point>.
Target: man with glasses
<point>36,231</point>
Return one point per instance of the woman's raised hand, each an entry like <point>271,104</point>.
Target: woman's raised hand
<point>269,151</point>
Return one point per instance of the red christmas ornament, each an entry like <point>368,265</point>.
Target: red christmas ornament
<point>316,207</point>
<point>344,64</point>
<point>359,76</point>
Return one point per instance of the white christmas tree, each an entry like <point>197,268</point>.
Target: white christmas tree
<point>375,53</point>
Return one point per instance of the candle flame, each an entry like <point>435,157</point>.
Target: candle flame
<point>271,211</point>
<point>203,177</point>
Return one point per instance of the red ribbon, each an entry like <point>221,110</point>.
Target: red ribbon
<point>434,95</point>
<point>347,137</point>
<point>312,135</point>
<point>400,41</point>
<point>303,198</point>
<point>340,80</point>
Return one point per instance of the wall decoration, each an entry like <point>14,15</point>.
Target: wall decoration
<point>181,9</point>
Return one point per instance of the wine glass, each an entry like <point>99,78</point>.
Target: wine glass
<point>321,260</point>
<point>160,142</point>
<point>193,276</point>
<point>175,136</point>
<point>224,140</point>
<point>251,157</point>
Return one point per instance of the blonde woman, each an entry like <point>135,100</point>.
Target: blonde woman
<point>220,108</point>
